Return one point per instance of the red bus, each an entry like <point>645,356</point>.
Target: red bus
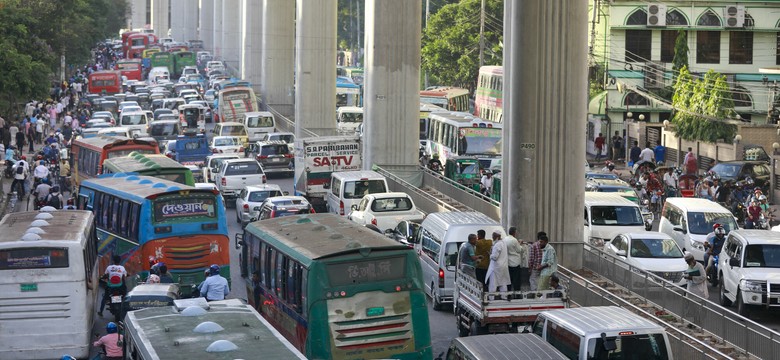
<point>89,153</point>
<point>125,44</point>
<point>108,81</point>
<point>135,41</point>
<point>131,68</point>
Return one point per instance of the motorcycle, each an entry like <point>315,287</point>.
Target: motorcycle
<point>115,304</point>
<point>712,276</point>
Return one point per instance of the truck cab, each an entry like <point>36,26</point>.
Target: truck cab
<point>191,149</point>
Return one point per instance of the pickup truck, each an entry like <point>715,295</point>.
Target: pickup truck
<point>236,174</point>
<point>479,312</point>
<point>385,210</point>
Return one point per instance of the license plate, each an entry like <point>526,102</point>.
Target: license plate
<point>28,287</point>
<point>116,299</point>
<point>276,160</point>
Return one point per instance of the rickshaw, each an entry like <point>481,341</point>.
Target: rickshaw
<point>192,116</point>
<point>465,170</point>
<point>686,185</point>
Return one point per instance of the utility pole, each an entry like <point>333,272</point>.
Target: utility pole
<point>357,56</point>
<point>482,34</point>
<point>427,14</point>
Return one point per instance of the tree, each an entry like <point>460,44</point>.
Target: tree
<point>702,106</point>
<point>680,59</point>
<point>450,44</point>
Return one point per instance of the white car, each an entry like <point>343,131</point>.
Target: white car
<point>226,145</point>
<point>650,251</point>
<point>385,210</point>
<point>212,163</point>
<point>251,198</point>
<point>749,270</point>
<point>125,104</point>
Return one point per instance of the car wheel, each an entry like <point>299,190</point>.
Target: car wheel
<point>437,306</point>
<point>723,299</point>
<point>742,308</point>
<point>474,328</point>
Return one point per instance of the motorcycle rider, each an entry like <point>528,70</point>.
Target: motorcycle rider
<point>670,183</point>
<point>753,215</point>
<point>20,175</point>
<point>215,287</point>
<point>435,163</point>
<point>42,191</point>
<point>714,245</point>
<point>116,276</point>
<point>40,172</point>
<point>112,342</point>
<point>10,154</point>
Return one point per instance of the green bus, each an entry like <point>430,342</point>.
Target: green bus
<point>157,165</point>
<point>163,58</point>
<point>182,59</point>
<point>335,289</point>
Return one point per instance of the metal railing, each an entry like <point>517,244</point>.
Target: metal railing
<point>586,293</point>
<point>457,192</point>
<point>423,200</point>
<point>753,338</point>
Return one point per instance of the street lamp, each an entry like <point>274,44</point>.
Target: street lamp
<point>737,139</point>
<point>775,146</point>
<point>630,115</point>
<point>641,117</point>
<point>666,124</point>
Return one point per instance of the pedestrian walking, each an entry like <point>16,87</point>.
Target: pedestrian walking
<point>548,265</point>
<point>697,285</point>
<point>599,144</point>
<point>498,271</point>
<point>617,145</point>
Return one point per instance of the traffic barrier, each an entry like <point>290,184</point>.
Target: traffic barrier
<point>423,200</point>
<point>457,192</point>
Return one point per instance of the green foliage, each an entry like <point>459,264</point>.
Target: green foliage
<point>34,33</point>
<point>701,106</point>
<point>450,44</point>
<point>680,59</point>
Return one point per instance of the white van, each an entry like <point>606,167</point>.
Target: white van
<point>607,215</point>
<point>259,123</point>
<point>689,220</point>
<point>349,118</point>
<point>136,122</point>
<point>119,131</point>
<point>437,242</point>
<point>577,333</point>
<point>159,73</point>
<point>347,188</point>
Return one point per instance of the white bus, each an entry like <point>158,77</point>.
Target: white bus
<point>452,133</point>
<point>48,284</point>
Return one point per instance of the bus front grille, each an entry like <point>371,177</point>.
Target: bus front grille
<point>34,308</point>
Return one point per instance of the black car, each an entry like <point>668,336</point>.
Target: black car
<point>404,232</point>
<point>737,170</point>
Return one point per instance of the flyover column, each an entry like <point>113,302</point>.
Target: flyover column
<point>392,96</point>
<point>184,20</point>
<point>206,24</point>
<point>545,55</point>
<point>278,54</point>
<point>231,32</point>
<point>217,27</point>
<point>160,17</point>
<point>138,19</point>
<point>315,66</point>
<point>251,41</point>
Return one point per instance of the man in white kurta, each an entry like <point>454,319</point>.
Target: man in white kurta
<point>498,271</point>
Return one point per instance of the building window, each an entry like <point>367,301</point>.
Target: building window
<point>675,18</point>
<point>635,99</point>
<point>740,47</point>
<point>638,45</point>
<point>638,17</point>
<point>709,18</point>
<point>668,40</point>
<point>708,47</point>
<point>741,97</point>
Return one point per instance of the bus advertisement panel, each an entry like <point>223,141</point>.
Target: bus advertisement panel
<point>234,102</point>
<point>130,68</point>
<point>488,103</point>
<point>105,82</point>
<point>147,220</point>
<point>337,290</point>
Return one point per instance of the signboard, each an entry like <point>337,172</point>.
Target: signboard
<point>33,258</point>
<point>367,271</point>
<point>333,156</point>
<point>179,207</point>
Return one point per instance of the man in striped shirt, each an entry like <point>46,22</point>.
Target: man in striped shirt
<point>535,259</point>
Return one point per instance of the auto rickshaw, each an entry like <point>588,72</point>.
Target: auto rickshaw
<point>465,170</point>
<point>686,184</point>
<point>192,116</point>
<point>496,195</point>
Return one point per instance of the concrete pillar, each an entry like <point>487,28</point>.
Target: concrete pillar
<point>231,32</point>
<point>138,18</point>
<point>315,65</point>
<point>251,41</point>
<point>206,24</point>
<point>544,127</point>
<point>160,17</point>
<point>278,52</point>
<point>391,97</point>
<point>217,27</point>
<point>184,20</point>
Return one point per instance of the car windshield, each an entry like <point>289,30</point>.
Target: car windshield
<point>468,167</point>
<point>358,189</point>
<point>234,130</point>
<point>286,138</point>
<point>165,129</point>
<point>260,196</point>
<point>700,223</point>
<point>243,168</point>
<point>616,215</point>
<point>601,176</point>
<point>260,121</point>
<point>766,256</point>
<point>391,204</point>
<point>230,141</point>
<point>651,346</point>
<point>348,117</point>
<point>133,119</point>
<point>727,171</point>
<point>655,248</point>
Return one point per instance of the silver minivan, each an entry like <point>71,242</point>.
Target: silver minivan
<point>503,347</point>
<point>438,240</point>
<point>347,188</point>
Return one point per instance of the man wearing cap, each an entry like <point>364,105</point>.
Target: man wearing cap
<point>498,271</point>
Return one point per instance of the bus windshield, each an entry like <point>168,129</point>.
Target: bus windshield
<point>481,140</point>
<point>33,258</point>
<point>652,346</point>
<point>192,208</point>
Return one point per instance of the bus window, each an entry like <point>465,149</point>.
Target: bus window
<point>266,261</point>
<point>123,218</point>
<point>135,218</point>
<point>115,215</point>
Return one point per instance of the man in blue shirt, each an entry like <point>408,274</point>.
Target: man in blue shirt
<point>215,287</point>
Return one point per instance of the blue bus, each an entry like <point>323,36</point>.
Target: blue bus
<point>147,220</point>
<point>348,93</point>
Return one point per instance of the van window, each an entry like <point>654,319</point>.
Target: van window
<point>243,168</point>
<point>451,253</point>
<point>430,246</point>
<point>358,189</point>
<point>616,215</point>
<point>564,340</point>
<point>700,223</point>
<point>233,130</point>
<point>391,204</point>
<point>651,346</point>
<point>164,129</point>
<point>672,214</point>
<point>134,119</point>
<point>336,187</point>
<point>260,121</point>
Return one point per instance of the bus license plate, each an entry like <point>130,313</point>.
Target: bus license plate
<point>375,311</point>
<point>116,299</point>
<point>28,287</point>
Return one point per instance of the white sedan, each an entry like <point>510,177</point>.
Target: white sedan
<point>650,251</point>
<point>385,210</point>
<point>226,145</point>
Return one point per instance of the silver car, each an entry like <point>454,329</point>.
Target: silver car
<point>251,198</point>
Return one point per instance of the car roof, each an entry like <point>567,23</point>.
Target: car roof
<point>758,237</point>
<point>510,346</point>
<point>357,175</point>
<point>740,162</point>
<point>697,204</point>
<point>271,142</point>
<point>231,123</point>
<point>224,137</point>
<point>276,199</point>
<point>439,222</point>
<point>231,156</point>
<point>258,113</point>
<point>165,121</point>
<point>599,198</point>
<point>647,235</point>
<point>597,319</point>
<point>134,113</point>
<point>263,187</point>
<point>388,195</point>
<point>240,160</point>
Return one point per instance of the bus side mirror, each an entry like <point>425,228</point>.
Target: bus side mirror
<point>239,238</point>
